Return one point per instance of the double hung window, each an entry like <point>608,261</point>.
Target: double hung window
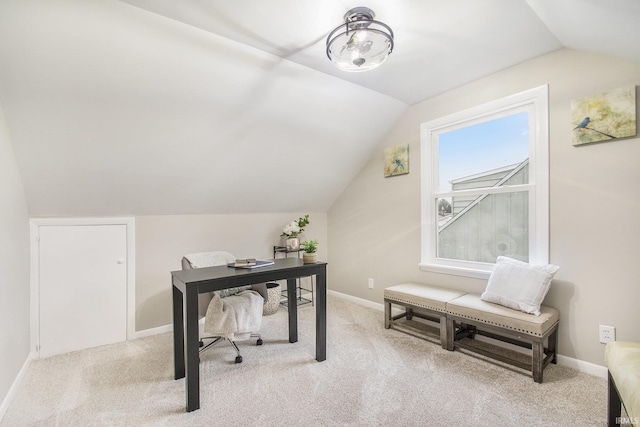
<point>485,185</point>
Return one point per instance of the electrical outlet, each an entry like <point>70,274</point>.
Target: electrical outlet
<point>607,334</point>
<point>370,283</point>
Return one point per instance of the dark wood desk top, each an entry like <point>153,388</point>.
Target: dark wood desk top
<point>220,277</point>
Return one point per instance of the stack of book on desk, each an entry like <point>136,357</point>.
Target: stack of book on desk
<point>246,262</point>
<point>250,263</point>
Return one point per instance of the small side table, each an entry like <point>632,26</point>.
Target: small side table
<point>299,289</point>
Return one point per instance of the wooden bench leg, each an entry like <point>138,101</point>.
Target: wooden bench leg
<point>387,314</point>
<point>447,333</point>
<point>537,361</point>
<point>553,346</point>
<point>614,408</point>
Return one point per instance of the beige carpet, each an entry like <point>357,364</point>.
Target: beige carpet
<point>372,377</point>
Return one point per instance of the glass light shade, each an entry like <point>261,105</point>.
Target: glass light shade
<point>360,44</point>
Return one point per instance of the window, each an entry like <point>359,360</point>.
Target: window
<point>485,185</point>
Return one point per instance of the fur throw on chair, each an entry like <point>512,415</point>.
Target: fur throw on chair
<point>235,317</point>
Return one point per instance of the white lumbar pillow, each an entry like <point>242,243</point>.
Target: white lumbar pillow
<point>518,285</point>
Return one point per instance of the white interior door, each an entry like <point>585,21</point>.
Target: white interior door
<point>82,287</point>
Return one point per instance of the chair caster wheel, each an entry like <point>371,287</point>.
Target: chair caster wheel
<point>259,342</point>
<point>201,344</point>
<point>238,359</point>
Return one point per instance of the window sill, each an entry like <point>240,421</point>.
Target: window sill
<point>455,271</point>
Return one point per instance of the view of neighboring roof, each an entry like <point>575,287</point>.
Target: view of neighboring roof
<point>500,176</point>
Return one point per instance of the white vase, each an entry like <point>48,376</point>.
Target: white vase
<point>292,244</point>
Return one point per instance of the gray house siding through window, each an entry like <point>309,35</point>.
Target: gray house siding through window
<point>485,227</point>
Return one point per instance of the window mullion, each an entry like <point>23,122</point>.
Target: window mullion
<point>482,191</point>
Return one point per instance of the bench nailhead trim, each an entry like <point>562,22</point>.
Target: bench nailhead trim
<point>413,303</point>
<point>497,324</point>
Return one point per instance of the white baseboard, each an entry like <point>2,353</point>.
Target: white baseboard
<point>361,301</point>
<point>14,387</point>
<point>579,365</point>
<point>153,331</point>
<point>582,366</point>
<point>162,330</point>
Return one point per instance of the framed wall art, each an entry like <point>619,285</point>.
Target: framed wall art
<point>396,160</point>
<point>604,117</point>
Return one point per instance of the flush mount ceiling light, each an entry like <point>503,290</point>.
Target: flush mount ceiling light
<point>360,44</point>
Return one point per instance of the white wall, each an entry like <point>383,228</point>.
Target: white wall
<point>14,265</point>
<point>161,241</point>
<point>374,227</point>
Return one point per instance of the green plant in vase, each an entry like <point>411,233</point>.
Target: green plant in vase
<point>310,248</point>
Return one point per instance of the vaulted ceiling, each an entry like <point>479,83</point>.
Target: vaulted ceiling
<point>137,107</point>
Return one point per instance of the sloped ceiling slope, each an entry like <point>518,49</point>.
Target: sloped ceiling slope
<point>114,110</point>
<point>439,45</point>
<point>216,106</point>
<point>606,27</point>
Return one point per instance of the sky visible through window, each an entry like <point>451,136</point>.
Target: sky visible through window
<point>482,147</point>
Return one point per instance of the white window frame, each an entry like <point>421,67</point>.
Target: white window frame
<point>536,102</point>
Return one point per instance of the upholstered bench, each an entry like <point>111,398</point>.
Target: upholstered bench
<point>430,301</point>
<point>470,315</point>
<point>623,361</point>
<point>509,310</point>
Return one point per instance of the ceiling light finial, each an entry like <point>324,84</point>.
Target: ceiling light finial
<point>360,44</point>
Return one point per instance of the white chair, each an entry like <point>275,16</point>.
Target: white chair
<point>229,310</point>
